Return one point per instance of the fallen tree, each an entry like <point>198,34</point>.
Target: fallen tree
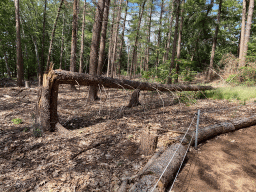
<point>151,173</point>
<point>46,113</point>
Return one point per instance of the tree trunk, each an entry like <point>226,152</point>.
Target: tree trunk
<point>62,42</point>
<point>95,47</point>
<point>7,66</point>
<point>159,35</point>
<point>47,96</point>
<point>149,34</point>
<point>103,38</point>
<point>19,59</point>
<point>116,32</point>
<point>122,39</point>
<point>37,55</point>
<point>210,73</point>
<point>161,166</point>
<point>82,41</point>
<point>242,32</point>
<point>134,54</point>
<point>111,36</point>
<point>41,66</point>
<point>74,38</point>
<point>52,37</point>
<point>179,42</point>
<point>248,30</point>
<point>166,57</point>
<point>174,41</point>
<point>73,42</point>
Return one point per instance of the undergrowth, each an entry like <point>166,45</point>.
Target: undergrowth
<point>241,93</point>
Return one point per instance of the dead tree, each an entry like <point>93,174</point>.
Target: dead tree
<point>47,116</point>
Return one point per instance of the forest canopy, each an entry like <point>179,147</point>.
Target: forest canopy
<point>153,38</point>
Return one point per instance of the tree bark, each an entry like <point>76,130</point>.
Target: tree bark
<point>111,36</point>
<point>37,55</point>
<point>62,42</point>
<point>95,47</point>
<point>149,34</point>
<point>242,32</point>
<point>73,42</point>
<point>122,40</point>
<point>19,59</point>
<point>166,57</point>
<point>52,37</point>
<point>7,66</point>
<point>247,33</point>
<point>74,38</point>
<point>155,170</point>
<point>82,41</point>
<point>210,73</point>
<point>174,42</point>
<point>134,54</point>
<point>47,99</point>
<point>103,37</point>
<point>116,32</point>
<point>159,35</point>
<point>179,42</point>
<point>41,66</point>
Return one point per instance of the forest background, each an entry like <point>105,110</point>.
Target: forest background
<point>161,39</point>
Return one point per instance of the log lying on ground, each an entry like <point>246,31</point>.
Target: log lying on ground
<point>151,172</point>
<point>225,127</point>
<point>155,170</point>
<point>48,94</point>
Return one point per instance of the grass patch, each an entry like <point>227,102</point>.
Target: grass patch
<point>241,93</point>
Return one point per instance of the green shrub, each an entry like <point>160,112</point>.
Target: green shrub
<point>37,131</point>
<point>17,121</point>
<point>188,75</point>
<point>246,76</point>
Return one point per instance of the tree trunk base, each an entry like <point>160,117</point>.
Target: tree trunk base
<point>134,101</point>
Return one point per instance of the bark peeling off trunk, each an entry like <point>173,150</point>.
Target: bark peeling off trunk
<point>48,94</point>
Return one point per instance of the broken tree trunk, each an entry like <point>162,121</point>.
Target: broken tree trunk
<point>48,94</point>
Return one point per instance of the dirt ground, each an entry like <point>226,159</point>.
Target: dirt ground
<point>102,144</point>
<point>226,163</point>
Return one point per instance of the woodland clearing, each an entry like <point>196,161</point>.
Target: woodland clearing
<point>102,144</point>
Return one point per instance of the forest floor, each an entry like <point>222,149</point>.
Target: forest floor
<point>102,144</point>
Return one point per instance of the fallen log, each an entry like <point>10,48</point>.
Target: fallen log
<point>152,172</point>
<point>155,170</point>
<point>225,127</point>
<point>48,94</point>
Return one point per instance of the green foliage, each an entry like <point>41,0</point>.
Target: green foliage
<point>124,72</point>
<point>37,131</point>
<point>186,97</point>
<point>245,76</point>
<point>17,121</point>
<point>251,55</point>
<point>241,93</point>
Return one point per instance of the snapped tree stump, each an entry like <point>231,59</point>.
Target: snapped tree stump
<point>47,116</point>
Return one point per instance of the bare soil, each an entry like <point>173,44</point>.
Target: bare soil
<point>226,163</point>
<point>102,144</point>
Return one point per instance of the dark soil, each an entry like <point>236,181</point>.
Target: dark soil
<point>102,144</point>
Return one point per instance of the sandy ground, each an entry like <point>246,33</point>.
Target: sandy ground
<point>103,140</point>
<point>226,163</point>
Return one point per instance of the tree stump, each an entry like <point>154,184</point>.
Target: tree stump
<point>134,101</point>
<point>148,142</point>
<point>27,84</point>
